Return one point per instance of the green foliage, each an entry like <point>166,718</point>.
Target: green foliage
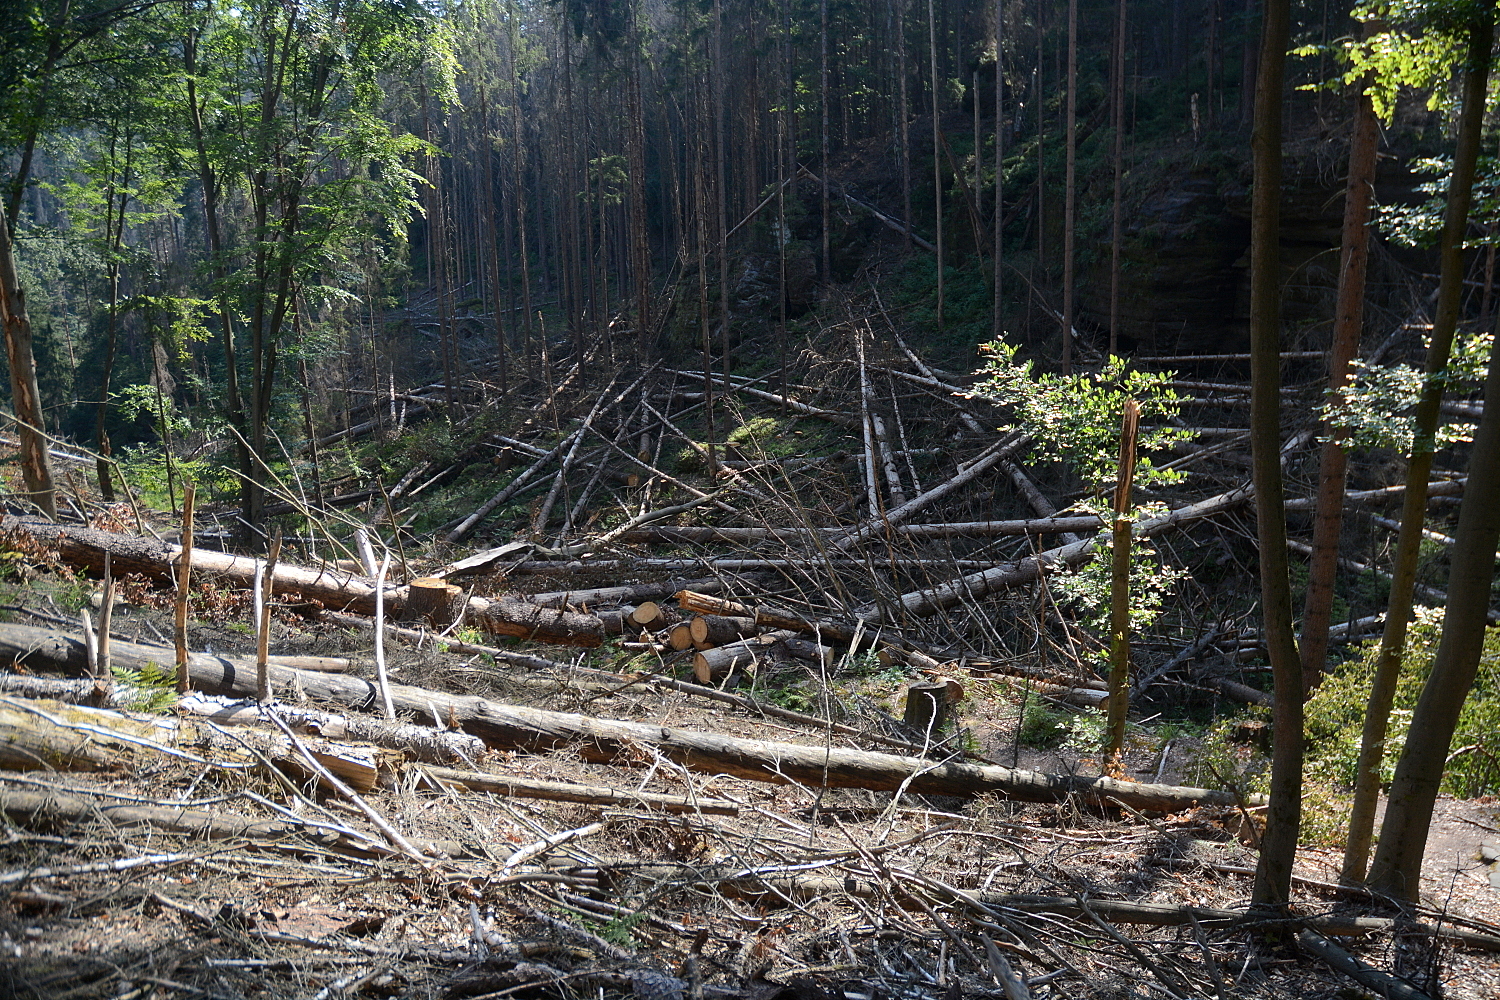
<point>765,436</point>
<point>1335,715</point>
<point>153,688</point>
<point>1377,410</point>
<point>1076,418</point>
<point>1418,51</point>
<point>1046,727</point>
<point>1151,582</point>
<point>1421,225</point>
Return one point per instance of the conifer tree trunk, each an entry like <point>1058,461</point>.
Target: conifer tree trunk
<point>721,154</point>
<point>1273,876</point>
<point>937,168</point>
<point>491,244</point>
<point>997,317</point>
<point>1117,221</point>
<point>823,167</point>
<point>1348,321</point>
<point>1425,417</point>
<point>1070,192</point>
<point>904,120</point>
<point>36,464</point>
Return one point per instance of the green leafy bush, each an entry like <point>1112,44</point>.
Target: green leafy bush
<point>1336,712</point>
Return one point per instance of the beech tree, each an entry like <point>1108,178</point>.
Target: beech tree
<point>1278,852</point>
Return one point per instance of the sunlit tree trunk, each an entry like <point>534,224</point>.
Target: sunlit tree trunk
<point>1425,418</point>
<point>1348,321</point>
<point>1397,869</point>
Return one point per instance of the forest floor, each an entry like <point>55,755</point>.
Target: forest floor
<point>782,890</point>
<point>629,904</point>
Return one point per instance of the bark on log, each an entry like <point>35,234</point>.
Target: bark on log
<point>512,727</point>
<point>720,663</point>
<point>720,630</point>
<point>332,588</point>
<point>48,735</point>
<point>58,810</point>
<point>772,619</point>
<point>418,743</point>
<point>1382,983</point>
<point>959,529</point>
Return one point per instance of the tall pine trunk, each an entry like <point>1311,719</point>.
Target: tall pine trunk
<point>1070,189</point>
<point>1348,322</point>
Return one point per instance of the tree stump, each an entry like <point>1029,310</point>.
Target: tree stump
<point>926,707</point>
<point>437,601</point>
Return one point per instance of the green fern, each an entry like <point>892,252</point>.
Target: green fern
<point>153,688</point>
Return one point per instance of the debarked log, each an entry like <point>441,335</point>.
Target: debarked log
<point>54,736</point>
<point>333,588</point>
<point>512,727</point>
<point>59,810</point>
<point>560,791</point>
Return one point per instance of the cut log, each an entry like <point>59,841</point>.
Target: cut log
<point>433,599</point>
<point>770,618</point>
<point>616,621</point>
<point>86,547</point>
<point>49,735</point>
<point>680,637</point>
<point>720,630</point>
<point>648,615</point>
<point>810,652</point>
<point>515,728</point>
<point>720,664</point>
<point>418,743</point>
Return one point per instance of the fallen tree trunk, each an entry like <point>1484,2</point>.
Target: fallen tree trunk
<point>513,727</point>
<point>998,453</point>
<point>559,791</point>
<point>51,736</point>
<point>633,593</point>
<point>931,600</point>
<point>330,587</point>
<point>960,529</point>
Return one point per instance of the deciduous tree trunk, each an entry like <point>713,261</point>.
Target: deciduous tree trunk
<point>1414,508</point>
<point>1273,876</point>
